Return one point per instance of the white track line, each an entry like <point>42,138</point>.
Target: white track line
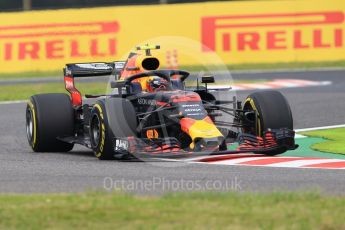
<point>294,162</point>
<point>320,128</point>
<point>235,161</point>
<point>298,136</point>
<point>25,101</point>
<point>12,102</point>
<point>302,162</point>
<point>279,84</point>
<point>283,70</point>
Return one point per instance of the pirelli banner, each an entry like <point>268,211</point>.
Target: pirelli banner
<point>234,32</point>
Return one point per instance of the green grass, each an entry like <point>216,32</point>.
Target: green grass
<point>24,91</point>
<point>35,74</point>
<point>253,66</point>
<point>270,66</point>
<point>175,211</point>
<point>335,140</point>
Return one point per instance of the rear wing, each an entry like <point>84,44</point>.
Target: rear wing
<point>91,69</point>
<point>94,69</point>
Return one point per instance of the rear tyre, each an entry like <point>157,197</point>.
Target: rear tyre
<point>49,116</point>
<point>273,111</point>
<point>110,118</point>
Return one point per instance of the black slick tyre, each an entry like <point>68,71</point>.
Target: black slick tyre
<point>48,117</point>
<point>273,112</point>
<point>110,118</point>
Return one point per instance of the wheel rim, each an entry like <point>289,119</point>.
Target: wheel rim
<point>95,130</point>
<point>248,106</point>
<point>29,125</point>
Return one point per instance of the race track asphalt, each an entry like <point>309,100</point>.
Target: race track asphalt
<point>23,171</point>
<point>311,106</point>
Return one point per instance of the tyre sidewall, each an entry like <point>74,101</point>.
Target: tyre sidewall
<point>53,117</point>
<point>122,124</point>
<point>104,148</point>
<point>30,108</point>
<point>273,110</point>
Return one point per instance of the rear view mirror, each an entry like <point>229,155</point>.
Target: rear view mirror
<point>117,84</point>
<point>207,79</point>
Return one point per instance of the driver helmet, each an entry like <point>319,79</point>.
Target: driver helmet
<point>156,84</point>
<point>144,83</point>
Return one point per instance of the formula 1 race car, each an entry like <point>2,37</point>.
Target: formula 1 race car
<point>152,113</point>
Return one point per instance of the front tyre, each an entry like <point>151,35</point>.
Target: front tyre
<point>111,118</point>
<point>49,116</point>
<point>100,137</point>
<point>273,112</point>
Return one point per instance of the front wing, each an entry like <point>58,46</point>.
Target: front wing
<point>272,140</point>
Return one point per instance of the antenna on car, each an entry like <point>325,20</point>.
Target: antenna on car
<point>148,48</point>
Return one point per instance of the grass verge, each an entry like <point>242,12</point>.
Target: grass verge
<point>253,66</point>
<point>33,74</point>
<point>175,211</point>
<point>334,140</point>
<point>24,91</point>
<point>271,66</point>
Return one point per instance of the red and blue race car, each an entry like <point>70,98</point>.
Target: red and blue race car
<point>151,112</point>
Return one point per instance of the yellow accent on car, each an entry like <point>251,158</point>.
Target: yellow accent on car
<point>100,110</point>
<point>203,129</point>
<point>192,145</point>
<point>252,104</point>
<point>101,146</point>
<point>148,47</point>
